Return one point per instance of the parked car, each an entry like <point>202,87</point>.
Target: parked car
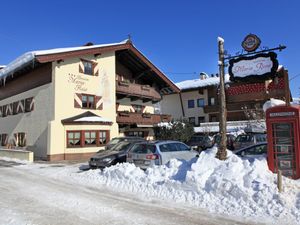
<point>146,154</point>
<point>230,140</point>
<point>112,156</point>
<point>244,140</point>
<point>200,142</point>
<point>116,140</point>
<point>253,151</point>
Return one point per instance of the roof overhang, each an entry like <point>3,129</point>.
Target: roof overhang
<point>86,118</point>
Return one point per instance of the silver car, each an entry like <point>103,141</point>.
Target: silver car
<point>146,154</point>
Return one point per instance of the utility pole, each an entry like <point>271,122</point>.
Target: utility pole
<point>222,154</point>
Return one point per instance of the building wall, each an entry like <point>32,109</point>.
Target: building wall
<point>171,104</point>
<point>34,123</point>
<point>67,82</point>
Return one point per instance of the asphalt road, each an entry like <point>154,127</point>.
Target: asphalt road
<point>27,198</point>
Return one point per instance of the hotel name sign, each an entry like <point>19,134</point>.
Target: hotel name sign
<point>79,82</point>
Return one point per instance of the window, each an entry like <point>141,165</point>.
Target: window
<point>87,67</point>
<point>182,147</point>
<point>28,104</point>
<point>90,137</point>
<point>191,103</point>
<point>212,101</point>
<point>135,133</point>
<point>201,119</point>
<point>88,101</point>
<point>87,138</point>
<point>4,138</point>
<point>21,139</point>
<point>168,147</point>
<point>15,108</point>
<point>4,110</point>
<point>74,138</point>
<point>200,102</point>
<point>103,137</point>
<point>138,108</point>
<point>192,120</point>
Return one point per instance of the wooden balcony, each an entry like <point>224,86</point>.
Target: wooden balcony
<point>141,118</point>
<point>230,107</point>
<point>145,92</point>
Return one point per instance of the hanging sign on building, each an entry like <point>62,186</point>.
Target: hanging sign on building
<point>251,43</point>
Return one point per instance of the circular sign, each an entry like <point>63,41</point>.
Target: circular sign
<point>251,43</point>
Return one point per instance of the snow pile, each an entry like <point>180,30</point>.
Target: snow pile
<point>196,83</point>
<point>235,187</point>
<point>272,103</point>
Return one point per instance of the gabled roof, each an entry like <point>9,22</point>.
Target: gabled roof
<point>87,118</point>
<point>58,54</point>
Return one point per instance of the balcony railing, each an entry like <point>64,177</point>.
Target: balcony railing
<point>141,118</point>
<point>137,90</point>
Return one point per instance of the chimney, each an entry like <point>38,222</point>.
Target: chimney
<point>89,44</point>
<point>203,76</point>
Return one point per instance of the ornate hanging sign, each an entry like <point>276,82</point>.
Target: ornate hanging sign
<point>257,67</point>
<point>251,43</point>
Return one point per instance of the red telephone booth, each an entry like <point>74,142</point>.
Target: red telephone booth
<point>283,132</point>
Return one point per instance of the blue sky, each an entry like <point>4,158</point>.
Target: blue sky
<point>179,37</point>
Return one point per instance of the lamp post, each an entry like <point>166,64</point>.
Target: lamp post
<point>222,154</point>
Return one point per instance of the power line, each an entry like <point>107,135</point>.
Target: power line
<point>294,77</point>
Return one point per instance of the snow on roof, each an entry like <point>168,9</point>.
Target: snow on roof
<point>29,56</point>
<point>196,83</point>
<point>92,119</point>
<point>2,66</point>
<point>272,103</point>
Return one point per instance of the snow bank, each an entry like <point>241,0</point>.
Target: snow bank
<point>235,187</point>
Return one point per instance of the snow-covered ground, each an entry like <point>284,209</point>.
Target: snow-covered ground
<point>235,187</point>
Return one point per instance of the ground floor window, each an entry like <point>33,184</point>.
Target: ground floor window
<point>20,139</point>
<point>87,138</point>
<point>4,140</point>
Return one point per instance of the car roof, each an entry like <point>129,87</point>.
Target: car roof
<point>250,146</point>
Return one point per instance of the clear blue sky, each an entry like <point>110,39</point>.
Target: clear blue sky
<point>179,37</point>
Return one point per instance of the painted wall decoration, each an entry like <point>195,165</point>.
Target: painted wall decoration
<point>258,67</point>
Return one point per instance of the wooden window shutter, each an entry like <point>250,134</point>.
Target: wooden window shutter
<point>15,141</point>
<point>21,106</point>
<point>80,68</point>
<point>95,72</point>
<point>143,108</point>
<point>98,102</point>
<point>77,100</point>
<point>0,111</point>
<point>9,109</point>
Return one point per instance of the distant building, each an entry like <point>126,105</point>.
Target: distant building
<point>198,99</point>
<point>68,103</point>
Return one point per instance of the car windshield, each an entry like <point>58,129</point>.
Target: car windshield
<point>120,146</point>
<point>244,138</point>
<point>115,141</point>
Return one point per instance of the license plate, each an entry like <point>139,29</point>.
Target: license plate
<point>138,161</point>
<point>93,163</point>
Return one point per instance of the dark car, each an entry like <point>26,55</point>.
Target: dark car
<point>116,140</point>
<point>200,142</point>
<point>117,154</point>
<point>230,140</point>
<point>244,140</point>
<point>253,151</point>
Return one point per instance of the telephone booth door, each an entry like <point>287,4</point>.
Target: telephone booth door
<point>283,140</point>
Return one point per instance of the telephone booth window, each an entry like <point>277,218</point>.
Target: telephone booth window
<point>284,148</point>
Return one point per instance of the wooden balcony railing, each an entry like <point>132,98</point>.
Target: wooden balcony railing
<point>141,118</point>
<point>137,90</point>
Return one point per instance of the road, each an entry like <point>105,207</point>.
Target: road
<point>27,198</point>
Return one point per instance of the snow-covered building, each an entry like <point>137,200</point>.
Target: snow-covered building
<point>198,99</point>
<point>68,103</point>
